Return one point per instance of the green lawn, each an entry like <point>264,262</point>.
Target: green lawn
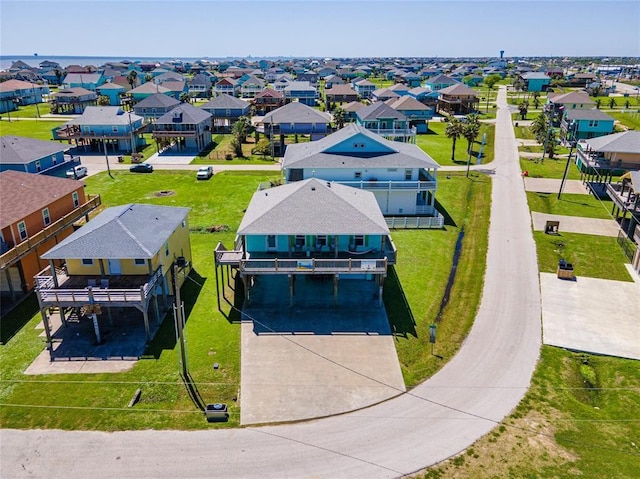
<point>591,256</point>
<point>31,111</point>
<point>629,119</point>
<point>40,129</point>
<point>578,419</point>
<point>586,206</point>
<point>523,132</point>
<point>438,146</point>
<point>221,146</point>
<point>211,338</point>
<point>549,168</point>
<point>424,263</point>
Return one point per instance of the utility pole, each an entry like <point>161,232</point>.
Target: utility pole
<point>180,322</point>
<point>574,142</point>
<point>106,157</point>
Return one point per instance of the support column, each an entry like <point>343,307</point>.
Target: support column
<point>96,327</point>
<point>47,329</point>
<point>335,289</point>
<point>217,287</point>
<point>101,263</point>
<point>246,290</point>
<point>12,291</point>
<point>155,304</point>
<point>110,317</point>
<point>381,280</point>
<point>291,279</point>
<point>145,317</point>
<point>62,316</point>
<point>53,273</point>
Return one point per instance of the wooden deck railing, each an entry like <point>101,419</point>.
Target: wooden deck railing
<point>22,249</point>
<point>313,266</point>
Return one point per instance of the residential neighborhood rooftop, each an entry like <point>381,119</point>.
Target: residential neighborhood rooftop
<point>21,150</point>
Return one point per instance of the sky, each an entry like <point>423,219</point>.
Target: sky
<point>348,28</point>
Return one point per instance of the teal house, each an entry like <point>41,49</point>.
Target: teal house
<point>584,124</point>
<point>113,91</point>
<point>536,81</point>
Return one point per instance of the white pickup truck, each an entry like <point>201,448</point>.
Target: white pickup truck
<point>77,172</point>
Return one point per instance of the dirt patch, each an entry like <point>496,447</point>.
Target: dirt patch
<point>527,446</point>
<point>163,193</point>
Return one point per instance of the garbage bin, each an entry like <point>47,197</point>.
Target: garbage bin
<point>120,159</point>
<point>216,412</point>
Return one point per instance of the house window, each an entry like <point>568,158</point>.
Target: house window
<point>300,240</point>
<point>38,166</point>
<point>46,217</point>
<point>408,174</point>
<point>321,240</point>
<point>54,160</point>
<point>271,241</point>
<point>593,123</point>
<point>357,175</point>
<point>76,201</point>
<point>358,240</point>
<point>114,129</point>
<point>87,262</point>
<point>22,231</point>
<point>140,261</point>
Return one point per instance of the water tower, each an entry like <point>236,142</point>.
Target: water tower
<point>501,54</point>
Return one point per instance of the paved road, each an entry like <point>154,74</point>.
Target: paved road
<point>439,418</point>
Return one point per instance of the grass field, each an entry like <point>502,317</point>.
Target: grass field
<point>438,146</point>
<point>549,168</point>
<point>586,206</point>
<point>99,401</point>
<point>579,419</point>
<point>31,111</point>
<point>222,145</point>
<point>629,119</point>
<point>29,128</point>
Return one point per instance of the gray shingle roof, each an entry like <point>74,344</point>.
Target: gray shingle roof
<point>587,114</point>
<point>82,78</point>
<point>149,87</point>
<point>225,101</point>
<point>313,207</point>
<point>379,110</point>
<point>296,112</point>
<point>123,232</point>
<point>407,103</point>
<point>536,76</point>
<point>157,100</point>
<point>571,97</point>
<point>389,154</point>
<point>21,150</point>
<point>190,115</point>
<point>459,89</point>
<point>104,115</point>
<point>625,142</point>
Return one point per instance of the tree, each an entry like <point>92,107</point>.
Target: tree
<point>242,128</point>
<point>539,127</point>
<point>612,102</point>
<point>490,82</point>
<point>237,147</point>
<point>523,107</point>
<point>470,130</point>
<point>263,147</point>
<point>536,99</point>
<point>598,102</point>
<point>132,77</point>
<point>339,117</point>
<point>626,104</point>
<point>58,73</point>
<point>453,130</point>
<point>184,97</point>
<point>103,100</point>
<point>148,77</point>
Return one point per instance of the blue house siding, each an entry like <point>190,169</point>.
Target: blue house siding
<point>40,165</point>
<point>287,245</point>
<point>535,84</point>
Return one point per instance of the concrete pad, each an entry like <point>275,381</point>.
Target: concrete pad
<point>171,158</point>
<point>313,359</point>
<point>551,185</point>
<point>75,350</point>
<point>592,315</point>
<point>577,224</point>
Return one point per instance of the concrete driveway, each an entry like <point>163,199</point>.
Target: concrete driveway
<point>551,185</point>
<point>314,359</point>
<point>577,224</point>
<point>593,315</point>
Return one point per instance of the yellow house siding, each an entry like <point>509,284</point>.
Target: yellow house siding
<point>75,267</point>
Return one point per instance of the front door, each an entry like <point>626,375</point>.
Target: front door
<point>114,267</point>
<point>271,242</point>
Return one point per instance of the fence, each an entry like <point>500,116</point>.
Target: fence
<point>415,222</point>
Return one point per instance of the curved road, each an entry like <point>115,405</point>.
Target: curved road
<point>439,418</point>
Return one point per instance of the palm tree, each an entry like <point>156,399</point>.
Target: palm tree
<point>58,73</point>
<point>536,99</point>
<point>598,102</point>
<point>339,117</point>
<point>242,128</point>
<point>132,77</point>
<point>490,81</point>
<point>539,127</point>
<point>612,102</point>
<point>626,104</point>
<point>470,130</point>
<point>103,100</point>
<point>523,107</point>
<point>148,77</point>
<point>453,131</point>
<point>184,97</point>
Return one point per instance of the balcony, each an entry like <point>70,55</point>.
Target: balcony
<point>22,249</point>
<point>395,132</point>
<point>74,291</point>
<point>624,197</point>
<point>597,161</point>
<point>313,266</point>
<point>376,185</point>
<point>75,132</point>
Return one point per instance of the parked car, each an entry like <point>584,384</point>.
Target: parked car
<point>141,168</point>
<point>77,172</point>
<point>204,173</point>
